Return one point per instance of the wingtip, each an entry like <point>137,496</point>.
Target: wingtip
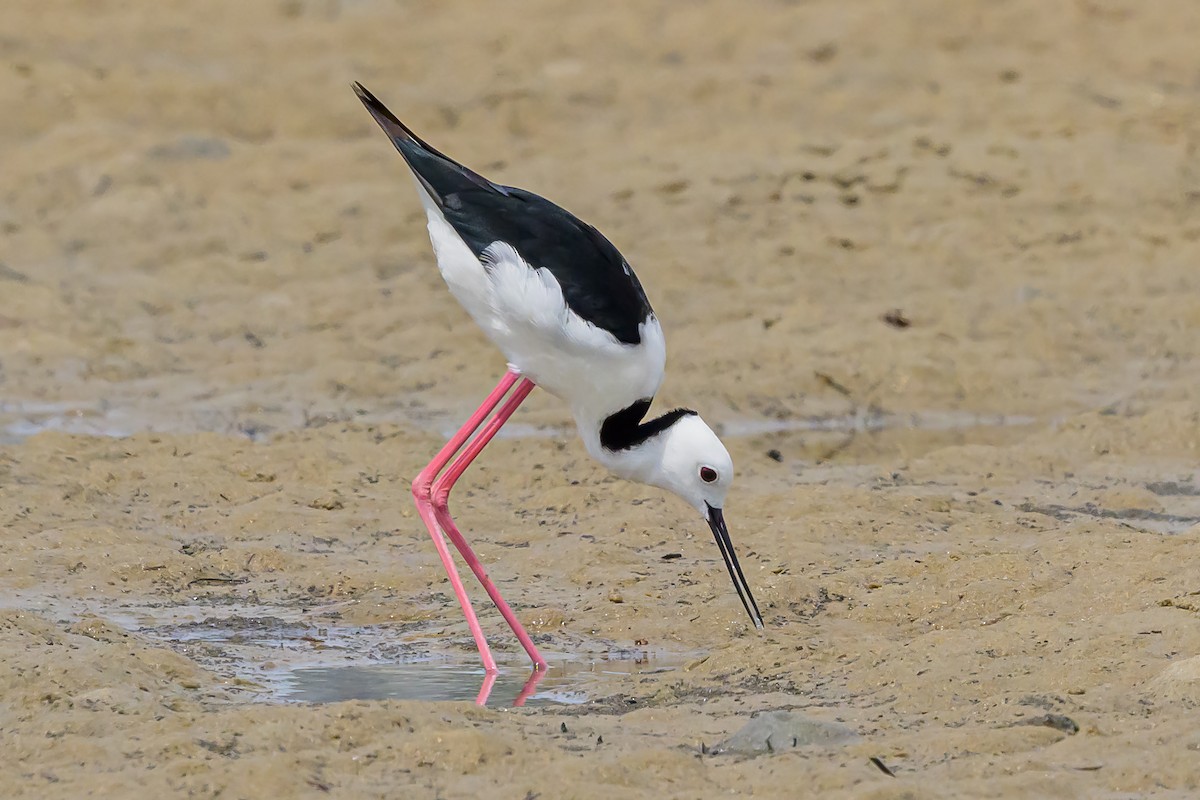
<point>381,113</point>
<point>364,94</point>
<point>404,139</point>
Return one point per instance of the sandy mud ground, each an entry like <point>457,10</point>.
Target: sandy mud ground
<point>225,351</point>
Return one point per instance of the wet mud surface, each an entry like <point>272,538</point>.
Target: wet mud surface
<point>931,270</point>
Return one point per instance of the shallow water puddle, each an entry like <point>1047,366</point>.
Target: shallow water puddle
<point>297,661</point>
<point>292,655</point>
<point>567,681</point>
<point>350,664</point>
<point>294,659</point>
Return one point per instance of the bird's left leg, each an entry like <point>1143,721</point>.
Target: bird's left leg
<point>441,505</point>
<point>422,489</point>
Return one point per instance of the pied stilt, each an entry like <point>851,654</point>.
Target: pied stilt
<point>570,316</point>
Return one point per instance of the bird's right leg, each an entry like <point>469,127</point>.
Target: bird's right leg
<point>422,489</point>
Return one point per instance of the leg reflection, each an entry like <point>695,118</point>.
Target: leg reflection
<point>489,680</point>
<point>530,686</point>
<point>527,691</point>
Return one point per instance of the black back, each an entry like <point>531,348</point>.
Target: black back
<point>597,283</point>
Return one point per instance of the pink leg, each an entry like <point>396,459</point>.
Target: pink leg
<point>441,498</point>
<point>422,493</point>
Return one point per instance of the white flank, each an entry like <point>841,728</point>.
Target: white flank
<point>522,310</point>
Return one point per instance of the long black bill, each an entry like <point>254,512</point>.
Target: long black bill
<point>716,521</point>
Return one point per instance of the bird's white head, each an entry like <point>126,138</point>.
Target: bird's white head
<point>680,453</point>
<point>694,464</point>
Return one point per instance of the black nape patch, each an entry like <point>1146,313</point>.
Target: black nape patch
<point>625,430</point>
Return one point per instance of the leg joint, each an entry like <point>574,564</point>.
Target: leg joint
<point>440,494</point>
<point>422,487</point>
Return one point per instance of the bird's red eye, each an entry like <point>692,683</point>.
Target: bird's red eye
<point>708,474</point>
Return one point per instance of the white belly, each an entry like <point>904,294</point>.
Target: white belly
<point>523,312</point>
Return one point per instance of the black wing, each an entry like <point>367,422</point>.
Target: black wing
<point>596,281</point>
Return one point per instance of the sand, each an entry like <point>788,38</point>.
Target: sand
<point>932,267</point>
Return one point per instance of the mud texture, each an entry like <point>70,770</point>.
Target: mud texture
<point>933,266</point>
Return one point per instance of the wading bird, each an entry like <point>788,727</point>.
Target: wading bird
<point>566,310</point>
